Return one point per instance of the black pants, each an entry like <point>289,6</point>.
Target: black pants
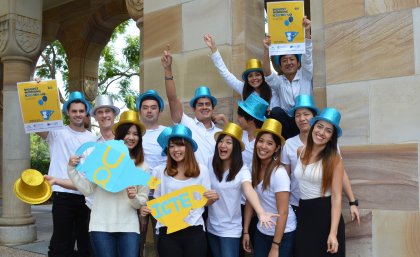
<point>70,223</point>
<point>188,242</point>
<point>144,224</point>
<point>289,127</point>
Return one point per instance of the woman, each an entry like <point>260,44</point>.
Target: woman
<point>319,170</point>
<point>303,112</point>
<point>182,170</point>
<point>229,177</point>
<point>272,183</point>
<point>253,76</point>
<point>114,225</point>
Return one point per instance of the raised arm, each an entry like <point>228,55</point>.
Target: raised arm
<point>228,77</point>
<point>266,58</point>
<point>175,104</point>
<point>307,61</point>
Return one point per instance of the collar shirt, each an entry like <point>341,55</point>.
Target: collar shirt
<point>284,92</point>
<point>204,137</point>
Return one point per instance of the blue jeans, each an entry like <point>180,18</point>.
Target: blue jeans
<point>223,246</point>
<point>263,244</point>
<point>122,244</point>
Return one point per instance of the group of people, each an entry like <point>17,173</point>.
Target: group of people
<point>273,180</point>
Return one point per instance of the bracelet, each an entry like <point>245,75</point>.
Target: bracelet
<point>169,78</point>
<point>245,233</point>
<point>274,242</point>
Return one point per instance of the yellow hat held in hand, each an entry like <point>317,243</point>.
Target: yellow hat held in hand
<point>32,188</point>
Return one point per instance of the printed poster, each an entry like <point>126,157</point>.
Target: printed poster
<point>40,106</point>
<point>285,27</point>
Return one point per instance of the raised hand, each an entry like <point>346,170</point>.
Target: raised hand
<point>267,41</point>
<point>210,42</point>
<point>166,59</point>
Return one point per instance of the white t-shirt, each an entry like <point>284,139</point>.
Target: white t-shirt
<point>225,217</point>
<point>248,152</point>
<point>151,148</point>
<point>289,157</point>
<point>202,136</point>
<point>62,144</point>
<point>279,182</point>
<point>169,184</point>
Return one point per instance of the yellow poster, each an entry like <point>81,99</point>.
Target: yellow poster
<point>285,27</point>
<point>40,106</point>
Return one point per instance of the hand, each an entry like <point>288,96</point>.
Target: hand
<point>37,79</point>
<point>211,195</point>
<point>267,42</point>
<point>210,42</point>
<point>307,26</point>
<point>355,216</point>
<point>274,251</point>
<point>266,219</point>
<point>144,211</point>
<point>166,59</point>
<point>246,243</point>
<point>131,192</point>
<point>332,244</point>
<point>74,160</point>
<point>216,118</point>
<point>51,179</point>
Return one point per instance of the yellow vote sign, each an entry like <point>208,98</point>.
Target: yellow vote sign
<point>285,26</point>
<point>171,209</point>
<point>40,106</point>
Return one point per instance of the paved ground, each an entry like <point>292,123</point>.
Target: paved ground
<point>38,248</point>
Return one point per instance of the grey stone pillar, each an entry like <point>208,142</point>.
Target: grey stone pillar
<point>20,37</point>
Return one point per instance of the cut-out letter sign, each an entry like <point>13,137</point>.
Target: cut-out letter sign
<point>171,209</point>
<point>109,166</point>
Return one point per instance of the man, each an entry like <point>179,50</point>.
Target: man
<point>104,113</point>
<point>295,78</point>
<point>203,103</point>
<point>251,115</point>
<point>69,210</point>
<point>150,105</point>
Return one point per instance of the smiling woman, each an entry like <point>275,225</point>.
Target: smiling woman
<point>319,171</point>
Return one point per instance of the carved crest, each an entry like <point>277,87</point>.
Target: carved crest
<point>28,33</point>
<point>4,32</point>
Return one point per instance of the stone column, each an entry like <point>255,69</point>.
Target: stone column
<point>135,10</point>
<point>20,37</point>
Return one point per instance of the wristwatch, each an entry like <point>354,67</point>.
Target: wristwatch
<point>355,202</point>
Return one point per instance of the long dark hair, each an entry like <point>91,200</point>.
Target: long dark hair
<point>235,157</point>
<point>137,152</point>
<point>256,162</point>
<point>192,170</point>
<point>329,156</point>
<point>265,90</point>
